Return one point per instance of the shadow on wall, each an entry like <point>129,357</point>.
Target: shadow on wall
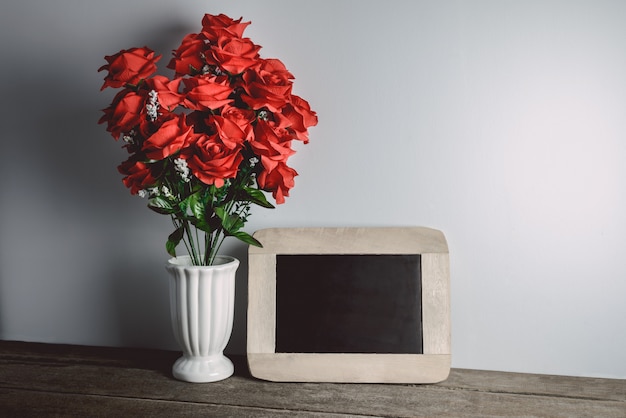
<point>238,340</point>
<point>140,308</point>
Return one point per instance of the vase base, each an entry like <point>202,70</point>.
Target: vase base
<point>203,369</point>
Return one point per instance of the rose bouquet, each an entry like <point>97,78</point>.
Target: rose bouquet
<point>207,143</point>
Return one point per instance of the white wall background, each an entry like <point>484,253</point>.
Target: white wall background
<point>501,123</point>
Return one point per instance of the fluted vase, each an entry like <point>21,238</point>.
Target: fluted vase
<point>202,300</point>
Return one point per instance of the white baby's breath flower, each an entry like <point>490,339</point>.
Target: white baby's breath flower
<point>182,168</point>
<point>142,193</point>
<point>129,137</point>
<point>152,107</point>
<point>166,192</point>
<point>263,115</point>
<point>253,161</point>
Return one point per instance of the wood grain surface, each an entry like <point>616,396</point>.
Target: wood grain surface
<point>41,380</point>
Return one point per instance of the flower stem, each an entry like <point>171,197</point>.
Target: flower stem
<point>214,246</point>
<point>195,257</point>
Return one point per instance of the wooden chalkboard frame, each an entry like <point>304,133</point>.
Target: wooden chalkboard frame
<point>430,367</point>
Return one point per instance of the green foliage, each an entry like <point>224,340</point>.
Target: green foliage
<point>162,206</point>
<point>255,196</point>
<point>173,240</point>
<point>203,215</point>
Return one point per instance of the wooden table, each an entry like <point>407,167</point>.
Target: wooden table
<point>42,380</point>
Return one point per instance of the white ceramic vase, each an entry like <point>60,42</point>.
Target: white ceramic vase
<point>202,300</point>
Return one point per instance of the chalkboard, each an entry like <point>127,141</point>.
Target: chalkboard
<point>349,305</point>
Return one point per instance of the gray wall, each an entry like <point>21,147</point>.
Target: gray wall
<point>501,123</point>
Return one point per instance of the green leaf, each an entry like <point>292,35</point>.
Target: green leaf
<point>173,239</point>
<point>257,197</point>
<point>230,223</point>
<point>161,205</point>
<point>197,206</point>
<point>247,238</point>
<point>221,213</point>
<point>184,205</point>
<point>201,225</point>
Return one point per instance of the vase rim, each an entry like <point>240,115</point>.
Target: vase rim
<point>185,261</point>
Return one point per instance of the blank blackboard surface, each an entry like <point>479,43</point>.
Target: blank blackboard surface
<point>349,303</point>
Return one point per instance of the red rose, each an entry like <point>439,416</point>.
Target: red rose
<point>278,181</point>
<point>230,133</point>
<point>211,161</point>
<point>168,139</point>
<point>299,117</point>
<point>272,148</point>
<point>242,117</point>
<point>129,66</point>
<point>203,93</point>
<point>124,113</point>
<point>214,27</point>
<point>167,91</point>
<point>234,55</point>
<point>188,57</point>
<point>267,85</point>
<point>138,175</point>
